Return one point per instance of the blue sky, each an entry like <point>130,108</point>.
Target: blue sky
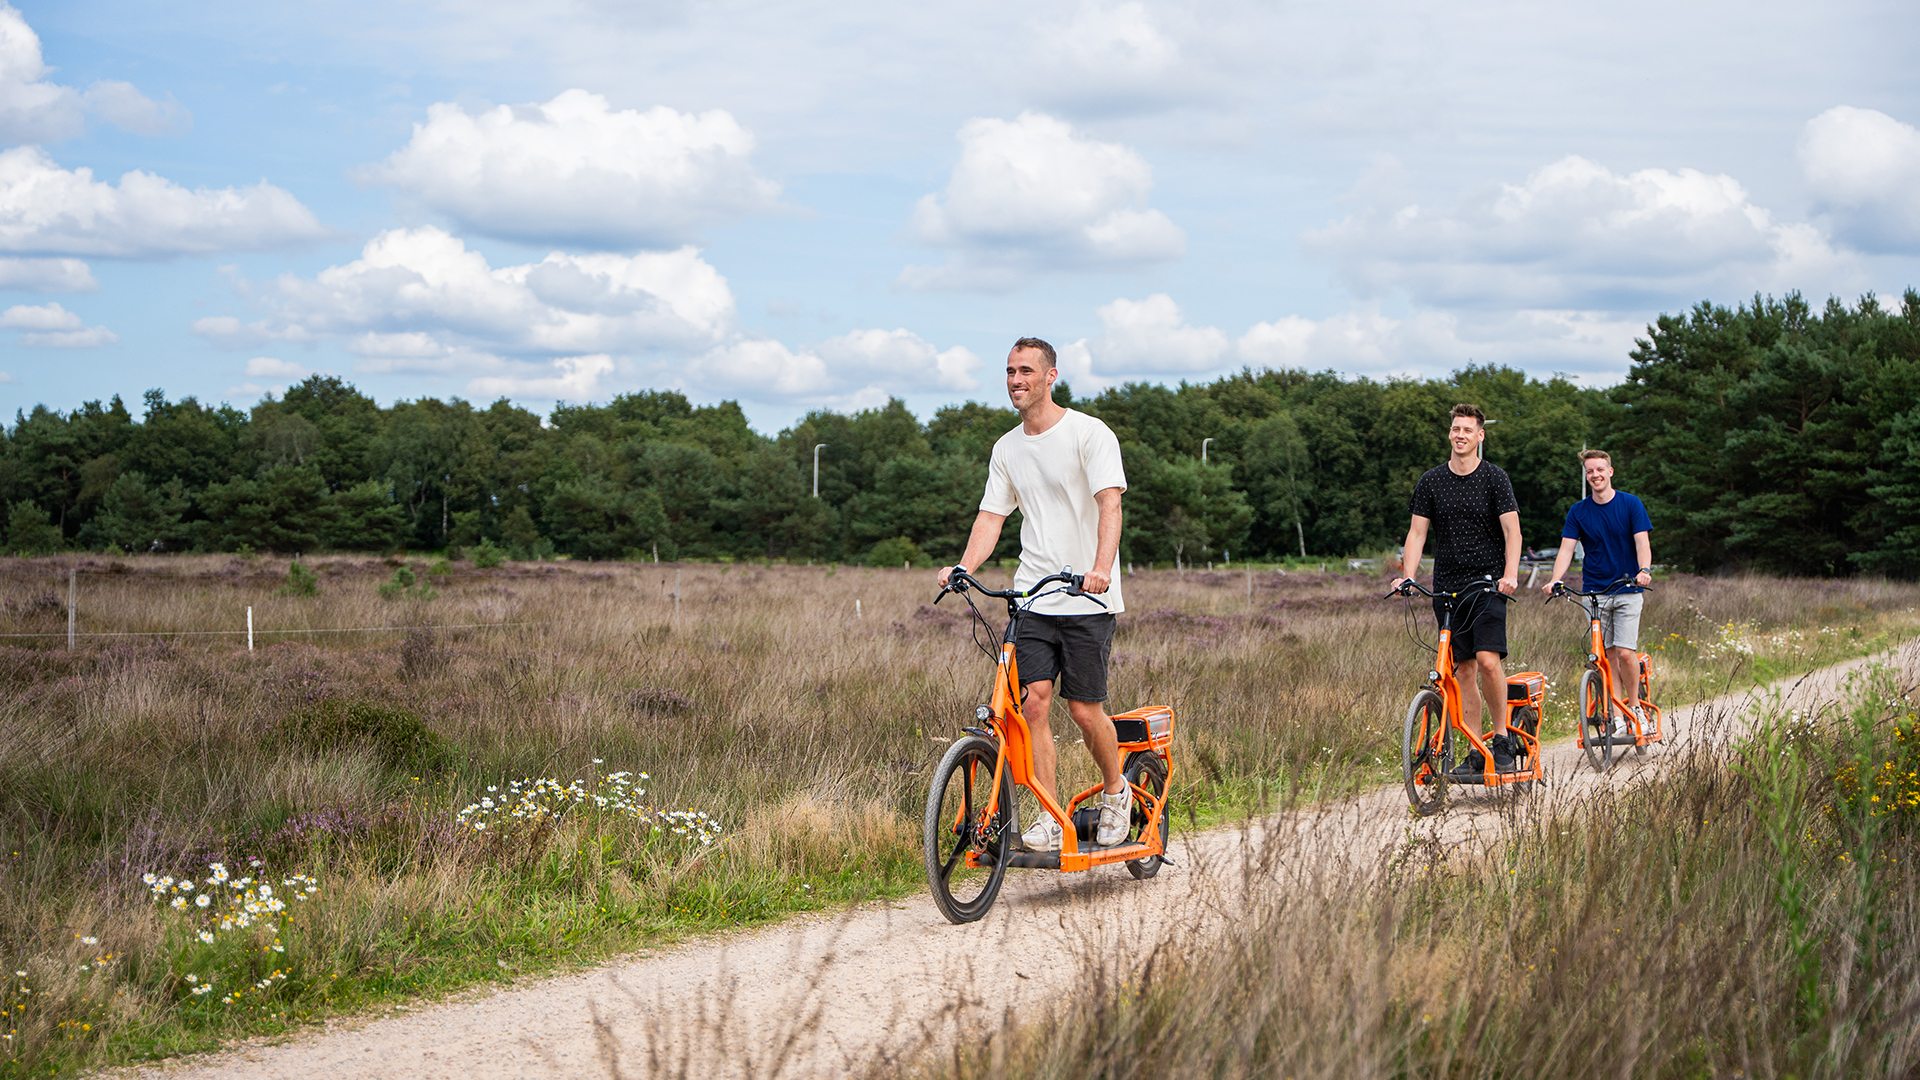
<point>820,205</point>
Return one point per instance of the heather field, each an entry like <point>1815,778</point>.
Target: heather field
<point>495,772</point>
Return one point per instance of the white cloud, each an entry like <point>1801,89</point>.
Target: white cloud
<point>1028,195</point>
<point>47,275</point>
<point>1578,236</point>
<point>574,170</point>
<point>420,294</point>
<point>35,110</point>
<point>570,378</point>
<point>267,367</point>
<point>853,370</point>
<point>1863,168</point>
<point>7,377</point>
<point>50,326</point>
<point>1151,339</point>
<point>43,317</point>
<point>45,209</point>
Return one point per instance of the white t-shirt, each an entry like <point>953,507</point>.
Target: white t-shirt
<point>1051,479</point>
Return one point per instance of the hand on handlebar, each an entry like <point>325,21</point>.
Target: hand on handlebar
<point>1552,588</point>
<point>1096,582</point>
<point>1508,584</point>
<point>945,576</point>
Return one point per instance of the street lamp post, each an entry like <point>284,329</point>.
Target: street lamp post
<point>816,468</point>
<point>1203,450</point>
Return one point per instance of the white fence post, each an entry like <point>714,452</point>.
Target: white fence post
<point>249,627</point>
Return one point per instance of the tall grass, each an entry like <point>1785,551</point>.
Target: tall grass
<point>1745,914</point>
<point>756,696</point>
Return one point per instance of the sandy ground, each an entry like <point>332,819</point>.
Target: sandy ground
<point>833,996</point>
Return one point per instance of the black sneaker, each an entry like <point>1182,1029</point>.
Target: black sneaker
<point>1474,765</point>
<point>1503,753</point>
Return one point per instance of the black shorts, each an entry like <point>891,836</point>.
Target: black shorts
<point>1074,647</point>
<point>1479,625</point>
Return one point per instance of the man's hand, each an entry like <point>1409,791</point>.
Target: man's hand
<point>945,573</point>
<point>1096,581</point>
<point>1549,586</point>
<point>1399,581</point>
<point>1643,579</point>
<point>1508,584</point>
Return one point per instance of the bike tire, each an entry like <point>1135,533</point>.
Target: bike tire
<point>956,821</point>
<point>1426,745</point>
<point>1149,771</point>
<point>1527,719</point>
<point>1596,720</point>
<point>1646,699</point>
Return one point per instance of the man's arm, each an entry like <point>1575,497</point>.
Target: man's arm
<point>1106,540</point>
<point>1510,528</point>
<point>1410,551</point>
<point>1560,564</point>
<point>980,542</point>
<point>1643,550</point>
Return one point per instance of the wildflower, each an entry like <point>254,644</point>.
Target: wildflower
<point>206,937</point>
<point>202,900</point>
<point>89,941</point>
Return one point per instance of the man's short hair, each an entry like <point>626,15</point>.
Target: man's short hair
<point>1589,455</point>
<point>1037,345</point>
<point>1469,410</point>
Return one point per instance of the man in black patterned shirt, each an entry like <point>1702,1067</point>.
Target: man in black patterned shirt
<point>1469,505</point>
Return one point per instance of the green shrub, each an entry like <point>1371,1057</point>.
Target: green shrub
<point>486,554</point>
<point>440,568</point>
<point>896,552</point>
<point>403,586</point>
<point>300,581</point>
<point>30,531</point>
<point>399,738</point>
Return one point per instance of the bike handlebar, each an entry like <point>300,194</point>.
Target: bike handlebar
<point>1410,586</point>
<point>1076,586</point>
<point>1612,588</point>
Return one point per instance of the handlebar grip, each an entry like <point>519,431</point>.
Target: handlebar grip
<point>1076,584</point>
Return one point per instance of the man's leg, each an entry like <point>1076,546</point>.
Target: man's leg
<point>1493,681</point>
<point>1096,727</point>
<point>1626,674</point>
<point>1467,674</point>
<point>1045,758</point>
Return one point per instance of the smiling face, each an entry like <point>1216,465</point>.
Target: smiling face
<point>1599,472</point>
<point>1466,435</point>
<point>1029,379</point>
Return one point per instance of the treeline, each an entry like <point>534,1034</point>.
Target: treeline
<point>1762,435</point>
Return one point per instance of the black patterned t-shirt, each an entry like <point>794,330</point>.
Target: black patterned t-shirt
<point>1465,512</point>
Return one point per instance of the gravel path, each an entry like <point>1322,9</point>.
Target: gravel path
<point>831,996</point>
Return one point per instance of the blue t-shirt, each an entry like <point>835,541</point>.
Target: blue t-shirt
<point>1606,531</point>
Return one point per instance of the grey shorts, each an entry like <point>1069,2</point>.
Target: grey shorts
<point>1620,619</point>
<point>1074,647</point>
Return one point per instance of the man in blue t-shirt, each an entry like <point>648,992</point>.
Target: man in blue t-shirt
<point>1612,526</point>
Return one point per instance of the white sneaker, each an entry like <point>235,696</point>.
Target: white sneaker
<point>1116,817</point>
<point>1646,725</point>
<point>1042,835</point>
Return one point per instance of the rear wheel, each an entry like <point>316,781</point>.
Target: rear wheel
<point>1645,694</point>
<point>1148,771</point>
<point>1527,719</point>
<point>1596,720</point>
<point>1426,752</point>
<point>957,822</point>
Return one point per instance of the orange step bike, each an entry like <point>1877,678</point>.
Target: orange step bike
<point>971,814</point>
<point>1434,716</point>
<point>1601,710</point>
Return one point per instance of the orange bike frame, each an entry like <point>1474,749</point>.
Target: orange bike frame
<point>1016,757</point>
<point>1597,650</point>
<point>1449,688</point>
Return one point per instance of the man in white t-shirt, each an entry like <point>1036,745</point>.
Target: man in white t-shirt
<point>1061,469</point>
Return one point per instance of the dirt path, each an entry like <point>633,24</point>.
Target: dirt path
<point>826,996</point>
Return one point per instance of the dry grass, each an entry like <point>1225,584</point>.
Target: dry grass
<point>1747,915</point>
<point>759,699</point>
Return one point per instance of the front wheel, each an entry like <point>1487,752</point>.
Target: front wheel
<point>958,821</point>
<point>1426,752</point>
<point>1148,771</point>
<point>1596,720</point>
